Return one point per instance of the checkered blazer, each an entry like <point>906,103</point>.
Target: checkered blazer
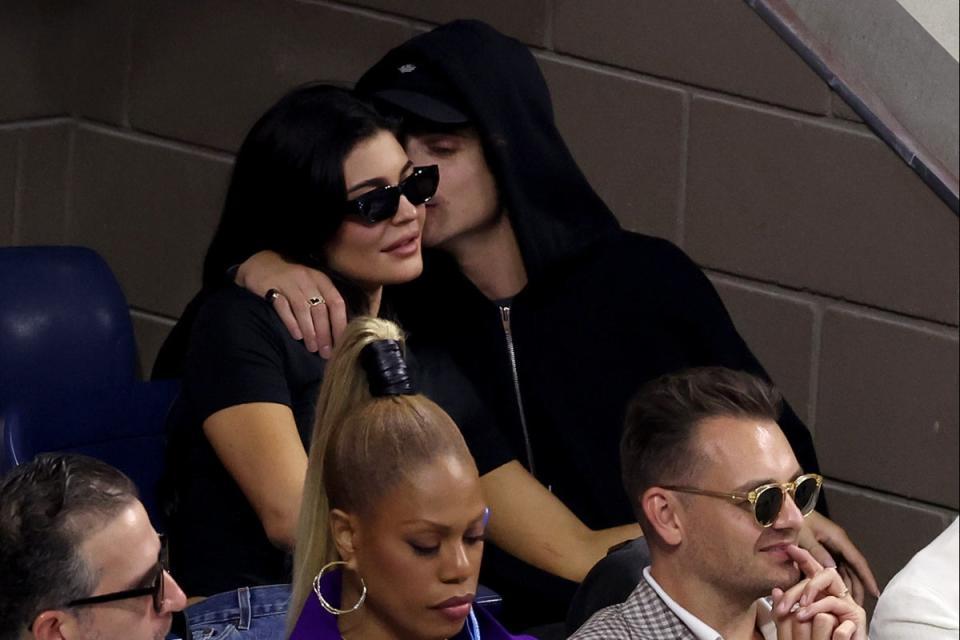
<point>643,616</point>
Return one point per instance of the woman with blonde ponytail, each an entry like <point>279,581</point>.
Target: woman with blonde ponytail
<point>345,388</point>
<point>392,522</point>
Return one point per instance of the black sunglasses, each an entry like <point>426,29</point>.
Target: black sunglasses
<point>767,500</point>
<point>155,589</point>
<point>381,204</point>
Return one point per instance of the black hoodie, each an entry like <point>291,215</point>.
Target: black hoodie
<point>604,309</point>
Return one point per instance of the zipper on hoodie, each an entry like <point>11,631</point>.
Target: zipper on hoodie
<point>511,353</point>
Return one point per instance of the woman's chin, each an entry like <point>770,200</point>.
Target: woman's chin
<point>445,630</point>
<point>406,271</point>
<point>384,275</point>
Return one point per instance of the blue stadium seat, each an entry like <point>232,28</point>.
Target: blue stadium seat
<point>68,367</point>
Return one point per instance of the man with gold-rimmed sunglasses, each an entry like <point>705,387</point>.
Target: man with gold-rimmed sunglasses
<point>79,559</point>
<point>767,500</point>
<point>721,500</point>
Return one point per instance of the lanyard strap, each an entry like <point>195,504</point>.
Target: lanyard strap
<point>473,627</point>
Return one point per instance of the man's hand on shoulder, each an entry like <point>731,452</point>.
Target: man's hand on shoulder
<point>309,305</point>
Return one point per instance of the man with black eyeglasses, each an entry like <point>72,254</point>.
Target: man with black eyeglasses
<point>79,559</point>
<point>721,500</point>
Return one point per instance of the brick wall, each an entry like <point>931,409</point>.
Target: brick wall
<point>119,118</point>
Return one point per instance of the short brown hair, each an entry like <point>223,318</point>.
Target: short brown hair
<point>657,443</point>
<point>48,507</point>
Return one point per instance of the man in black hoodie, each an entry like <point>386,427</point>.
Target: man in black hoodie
<point>555,313</point>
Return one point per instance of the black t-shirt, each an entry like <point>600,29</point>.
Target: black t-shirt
<point>240,352</point>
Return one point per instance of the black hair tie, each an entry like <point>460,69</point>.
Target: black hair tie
<point>386,369</point>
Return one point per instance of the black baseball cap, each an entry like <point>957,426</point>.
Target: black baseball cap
<point>411,86</point>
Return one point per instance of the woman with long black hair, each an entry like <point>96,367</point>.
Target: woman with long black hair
<point>321,180</point>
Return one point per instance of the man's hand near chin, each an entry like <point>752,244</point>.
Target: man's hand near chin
<point>829,544</point>
<point>819,607</point>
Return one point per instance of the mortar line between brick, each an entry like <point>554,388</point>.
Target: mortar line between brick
<point>684,170</point>
<point>549,12</point>
<point>126,91</point>
<point>68,191</point>
<point>72,91</point>
<point>713,93</point>
<point>135,135</point>
<point>32,123</point>
<point>874,311</point>
<point>17,190</point>
<point>628,72</point>
<point>887,496</point>
<point>386,16</point>
<point>813,392</point>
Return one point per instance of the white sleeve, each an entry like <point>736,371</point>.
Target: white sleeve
<point>921,602</point>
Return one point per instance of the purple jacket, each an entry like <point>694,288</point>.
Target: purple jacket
<point>315,623</point>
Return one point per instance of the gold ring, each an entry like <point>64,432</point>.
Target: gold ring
<point>314,301</point>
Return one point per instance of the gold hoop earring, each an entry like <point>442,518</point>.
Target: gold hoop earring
<point>326,605</point>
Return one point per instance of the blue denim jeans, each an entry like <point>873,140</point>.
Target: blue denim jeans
<point>250,613</point>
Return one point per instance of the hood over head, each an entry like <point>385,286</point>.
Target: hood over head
<point>466,72</point>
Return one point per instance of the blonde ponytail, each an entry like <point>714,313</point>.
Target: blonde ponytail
<point>344,389</point>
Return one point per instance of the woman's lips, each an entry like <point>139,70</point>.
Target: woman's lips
<point>404,247</point>
<point>455,609</point>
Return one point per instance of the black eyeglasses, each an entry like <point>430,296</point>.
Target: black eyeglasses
<point>155,589</point>
<point>767,500</point>
<point>381,204</point>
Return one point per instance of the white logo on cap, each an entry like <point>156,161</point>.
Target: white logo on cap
<point>407,68</point>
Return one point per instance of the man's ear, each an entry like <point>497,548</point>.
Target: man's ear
<point>343,527</point>
<point>661,508</point>
<point>53,625</point>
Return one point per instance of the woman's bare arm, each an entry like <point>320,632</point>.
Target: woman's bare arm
<point>532,524</point>
<point>260,447</point>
